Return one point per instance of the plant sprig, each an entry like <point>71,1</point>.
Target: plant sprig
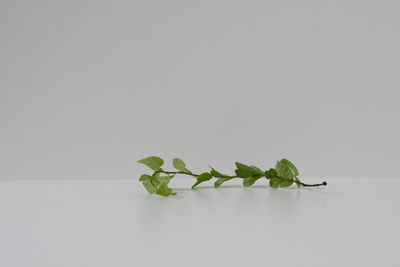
<point>284,174</point>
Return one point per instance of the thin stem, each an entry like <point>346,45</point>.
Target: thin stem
<point>309,185</point>
<point>187,173</point>
<point>303,184</point>
<point>235,176</point>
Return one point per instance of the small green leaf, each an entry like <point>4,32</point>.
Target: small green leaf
<point>164,179</point>
<point>259,171</point>
<point>150,187</point>
<point>274,182</point>
<point>250,180</point>
<point>244,171</point>
<point>285,183</point>
<point>279,182</point>
<point>145,177</point>
<point>164,190</point>
<point>220,181</point>
<point>205,176</point>
<point>217,174</point>
<point>291,166</point>
<point>153,162</point>
<point>298,182</point>
<point>283,170</point>
<point>155,181</point>
<point>180,165</point>
<point>271,173</point>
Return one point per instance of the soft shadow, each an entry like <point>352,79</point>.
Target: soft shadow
<point>321,190</point>
<point>292,188</point>
<point>229,186</point>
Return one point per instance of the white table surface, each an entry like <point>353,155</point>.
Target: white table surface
<point>351,222</point>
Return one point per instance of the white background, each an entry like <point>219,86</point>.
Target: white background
<point>89,87</point>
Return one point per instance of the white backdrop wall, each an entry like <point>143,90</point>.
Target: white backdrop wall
<point>88,87</point>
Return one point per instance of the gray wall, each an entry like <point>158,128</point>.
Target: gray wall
<point>89,87</point>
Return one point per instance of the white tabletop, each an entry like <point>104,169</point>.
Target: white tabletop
<point>351,222</point>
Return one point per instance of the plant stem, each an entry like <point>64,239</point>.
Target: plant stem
<point>187,173</point>
<point>234,176</point>
<point>303,184</point>
<point>321,184</point>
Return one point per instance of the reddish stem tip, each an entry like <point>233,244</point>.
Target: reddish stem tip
<point>324,183</point>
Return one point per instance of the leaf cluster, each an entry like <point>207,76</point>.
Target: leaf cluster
<point>284,174</point>
<point>156,183</point>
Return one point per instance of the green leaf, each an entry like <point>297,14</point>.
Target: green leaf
<point>298,181</point>
<point>244,171</point>
<point>150,187</point>
<point>155,181</point>
<point>180,165</point>
<point>291,166</point>
<point>164,190</point>
<point>205,176</point>
<point>217,174</point>
<point>271,173</point>
<point>220,181</point>
<point>259,171</point>
<point>145,177</point>
<point>284,170</point>
<point>274,182</point>
<point>279,182</point>
<point>164,179</point>
<point>153,162</point>
<point>285,183</point>
<point>251,180</point>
